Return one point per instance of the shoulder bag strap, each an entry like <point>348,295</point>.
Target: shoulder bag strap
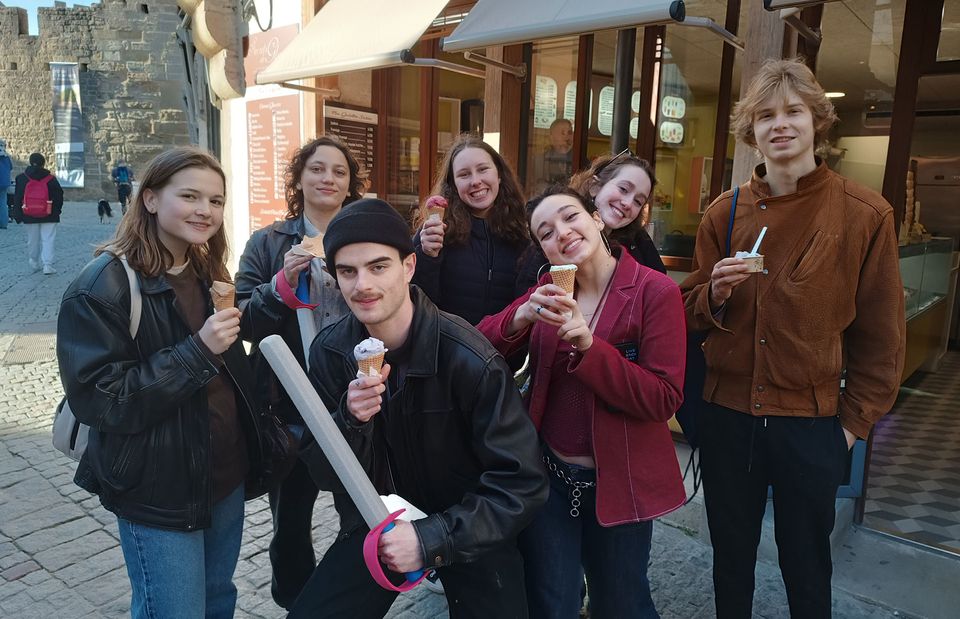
<point>733,212</point>
<point>136,299</point>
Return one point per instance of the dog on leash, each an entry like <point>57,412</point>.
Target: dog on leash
<point>104,210</point>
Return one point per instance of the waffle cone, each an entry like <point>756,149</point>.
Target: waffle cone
<point>314,245</point>
<point>371,365</point>
<point>224,295</point>
<point>564,278</point>
<point>437,211</point>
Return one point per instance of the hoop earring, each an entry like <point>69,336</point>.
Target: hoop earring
<point>540,270</point>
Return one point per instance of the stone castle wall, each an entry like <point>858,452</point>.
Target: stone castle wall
<point>132,81</point>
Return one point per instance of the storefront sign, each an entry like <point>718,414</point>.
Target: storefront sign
<point>260,49</point>
<point>273,133</point>
<point>357,128</point>
<point>67,123</point>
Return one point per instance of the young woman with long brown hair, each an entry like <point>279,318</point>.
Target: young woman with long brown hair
<point>469,262</point>
<point>173,435</point>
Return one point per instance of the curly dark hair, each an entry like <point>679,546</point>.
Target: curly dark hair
<point>294,170</point>
<point>506,214</point>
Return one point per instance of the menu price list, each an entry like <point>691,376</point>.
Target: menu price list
<point>358,130</point>
<point>273,133</point>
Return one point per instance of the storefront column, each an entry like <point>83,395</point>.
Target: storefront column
<point>764,40</point>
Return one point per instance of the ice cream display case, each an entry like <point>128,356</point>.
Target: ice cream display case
<point>925,268</point>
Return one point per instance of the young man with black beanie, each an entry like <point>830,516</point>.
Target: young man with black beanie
<point>442,426</point>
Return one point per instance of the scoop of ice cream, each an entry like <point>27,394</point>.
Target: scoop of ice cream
<point>368,348</point>
<point>745,254</point>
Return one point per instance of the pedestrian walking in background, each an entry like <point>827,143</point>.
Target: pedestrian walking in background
<point>620,186</point>
<point>607,366</point>
<point>122,176</point>
<point>442,425</point>
<point>321,178</point>
<point>803,356</point>
<point>34,188</point>
<point>6,168</point>
<point>172,433</point>
<point>469,262</point>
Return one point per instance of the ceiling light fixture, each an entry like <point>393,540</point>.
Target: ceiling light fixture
<point>835,95</point>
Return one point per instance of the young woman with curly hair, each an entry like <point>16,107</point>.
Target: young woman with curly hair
<point>322,177</point>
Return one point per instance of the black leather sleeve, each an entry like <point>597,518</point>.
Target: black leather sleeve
<point>263,314</point>
<point>512,487</point>
<point>109,388</point>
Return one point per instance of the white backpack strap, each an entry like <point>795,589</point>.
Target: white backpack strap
<point>136,299</point>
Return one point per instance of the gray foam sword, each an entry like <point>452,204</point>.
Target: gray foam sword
<point>328,436</point>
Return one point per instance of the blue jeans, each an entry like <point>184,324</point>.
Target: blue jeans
<point>177,574</point>
<point>558,549</point>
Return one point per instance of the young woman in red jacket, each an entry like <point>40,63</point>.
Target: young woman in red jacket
<point>607,371</point>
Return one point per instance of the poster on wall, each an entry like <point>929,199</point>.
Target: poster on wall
<point>544,102</point>
<point>67,123</point>
<point>357,128</point>
<point>273,133</point>
<point>261,48</point>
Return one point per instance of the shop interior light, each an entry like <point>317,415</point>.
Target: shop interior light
<point>835,94</point>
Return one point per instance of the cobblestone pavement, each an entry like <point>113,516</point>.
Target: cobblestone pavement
<point>59,550</point>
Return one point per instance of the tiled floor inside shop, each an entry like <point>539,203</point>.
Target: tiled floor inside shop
<point>914,481</point>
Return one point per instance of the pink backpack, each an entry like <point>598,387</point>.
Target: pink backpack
<point>36,197</point>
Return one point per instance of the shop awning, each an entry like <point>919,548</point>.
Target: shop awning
<point>346,35</point>
<point>504,22</point>
<point>773,5</point>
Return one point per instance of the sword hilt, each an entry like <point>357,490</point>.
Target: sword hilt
<point>371,557</point>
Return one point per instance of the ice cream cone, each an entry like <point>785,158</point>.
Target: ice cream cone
<point>436,206</point>
<point>564,276</point>
<point>371,365</point>
<point>314,245</point>
<point>224,295</point>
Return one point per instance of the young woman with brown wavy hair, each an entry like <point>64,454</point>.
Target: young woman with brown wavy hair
<point>173,435</point>
<point>321,178</point>
<point>469,262</point>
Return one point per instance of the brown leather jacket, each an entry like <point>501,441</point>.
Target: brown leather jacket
<point>830,297</point>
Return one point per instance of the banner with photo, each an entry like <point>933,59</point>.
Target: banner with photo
<point>67,123</point>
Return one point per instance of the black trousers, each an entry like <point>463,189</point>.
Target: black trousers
<point>291,550</point>
<point>804,460</point>
<point>341,586</point>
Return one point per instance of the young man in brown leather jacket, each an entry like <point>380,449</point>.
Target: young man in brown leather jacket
<point>828,299</point>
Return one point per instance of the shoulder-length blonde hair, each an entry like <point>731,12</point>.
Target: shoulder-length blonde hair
<point>507,219</point>
<point>137,235</point>
<point>778,78</point>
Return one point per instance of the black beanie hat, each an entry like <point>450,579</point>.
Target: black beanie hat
<point>367,221</point>
<point>36,159</point>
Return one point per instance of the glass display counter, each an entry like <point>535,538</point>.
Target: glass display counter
<point>925,270</point>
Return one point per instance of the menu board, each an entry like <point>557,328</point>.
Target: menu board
<point>273,133</point>
<point>544,102</point>
<point>357,128</point>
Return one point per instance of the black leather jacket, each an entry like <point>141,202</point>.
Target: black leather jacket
<point>148,455</point>
<point>264,314</point>
<point>462,447</point>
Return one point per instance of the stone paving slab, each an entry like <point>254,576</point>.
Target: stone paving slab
<point>59,554</point>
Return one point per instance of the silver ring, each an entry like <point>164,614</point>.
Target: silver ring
<point>539,309</point>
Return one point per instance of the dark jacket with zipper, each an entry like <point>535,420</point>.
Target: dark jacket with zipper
<point>148,456</point>
<point>474,279</point>
<point>455,439</point>
<point>54,191</point>
<point>264,314</point>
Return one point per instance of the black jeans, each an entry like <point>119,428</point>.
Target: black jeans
<point>341,586</point>
<point>291,549</point>
<point>804,460</point>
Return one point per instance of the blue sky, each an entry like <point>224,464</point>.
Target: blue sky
<point>32,5</point>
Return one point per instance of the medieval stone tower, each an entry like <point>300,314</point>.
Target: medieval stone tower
<point>133,84</point>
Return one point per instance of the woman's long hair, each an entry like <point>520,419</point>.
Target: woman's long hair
<point>589,181</point>
<point>137,235</point>
<point>506,214</point>
<point>294,170</point>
